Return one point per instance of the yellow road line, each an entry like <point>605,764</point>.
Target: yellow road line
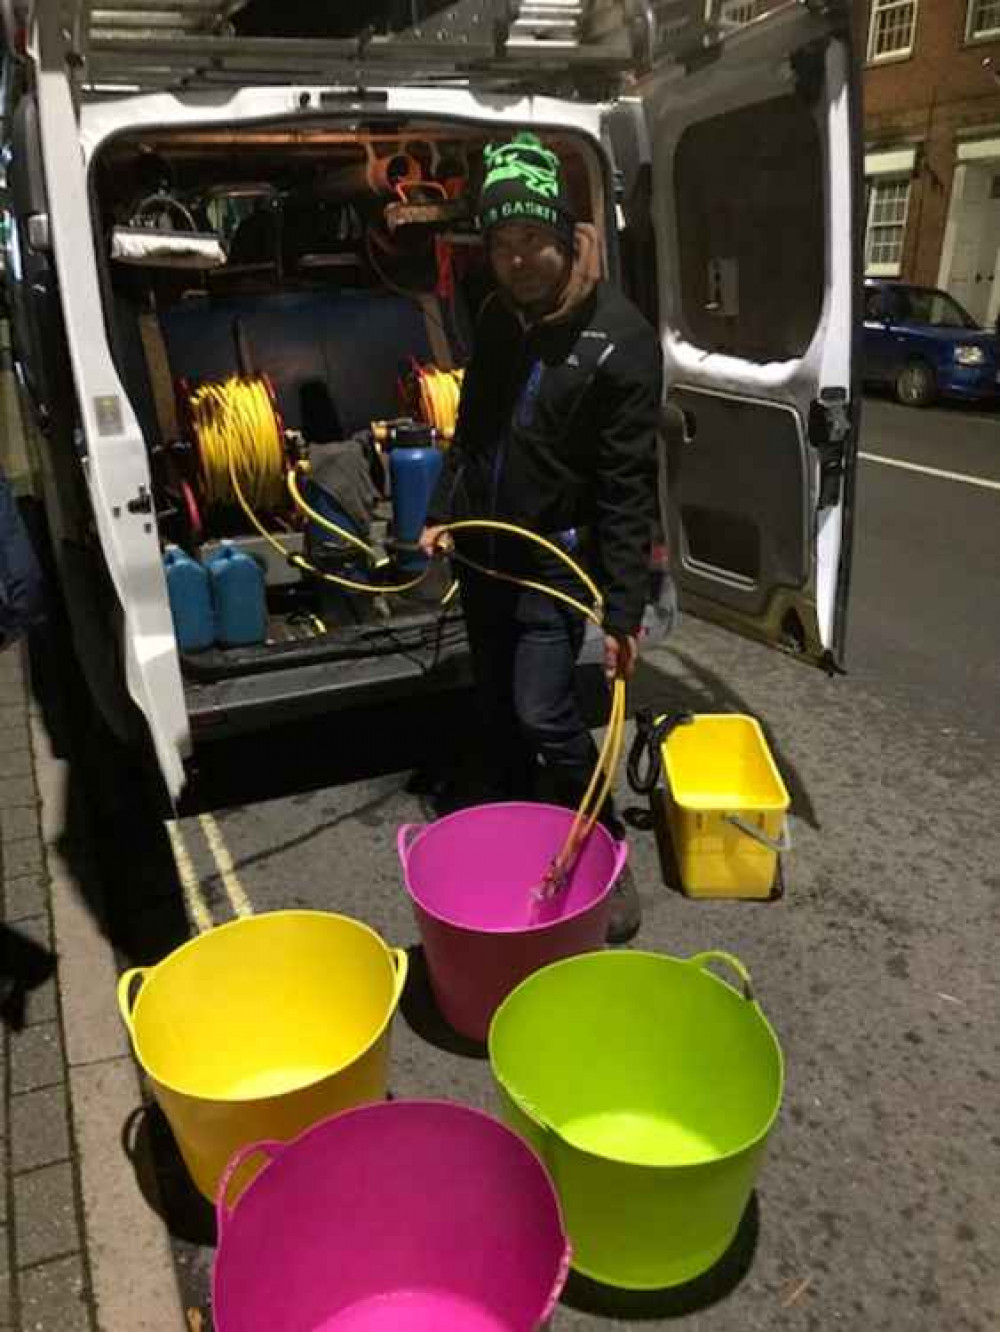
<point>194,898</point>
<point>235,891</point>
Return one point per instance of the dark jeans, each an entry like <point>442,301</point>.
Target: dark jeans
<point>524,650</point>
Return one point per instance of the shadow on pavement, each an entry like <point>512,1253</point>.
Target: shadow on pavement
<point>329,750</point>
<point>24,966</point>
<point>605,1302</point>
<point>421,1013</point>
<point>163,1178</point>
<point>113,841</point>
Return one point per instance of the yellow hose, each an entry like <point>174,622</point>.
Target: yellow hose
<point>241,455</point>
<point>592,613</point>
<point>241,451</point>
<point>607,764</point>
<point>302,503</point>
<point>372,589</point>
<point>589,810</point>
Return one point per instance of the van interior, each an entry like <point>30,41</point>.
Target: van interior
<point>333,264</point>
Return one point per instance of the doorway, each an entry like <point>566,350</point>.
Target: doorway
<point>970,260</point>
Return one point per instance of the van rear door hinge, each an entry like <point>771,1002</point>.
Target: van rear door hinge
<point>829,430</point>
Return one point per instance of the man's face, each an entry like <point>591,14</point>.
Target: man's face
<point>529,264</point>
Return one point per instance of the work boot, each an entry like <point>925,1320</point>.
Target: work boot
<point>626,912</point>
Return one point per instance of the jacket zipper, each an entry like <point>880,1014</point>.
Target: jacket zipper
<point>498,461</point>
<point>499,458</point>
<point>521,415</point>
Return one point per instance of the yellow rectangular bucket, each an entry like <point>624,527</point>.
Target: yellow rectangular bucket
<point>726,806</point>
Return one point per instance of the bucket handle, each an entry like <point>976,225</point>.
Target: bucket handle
<point>125,1000</point>
<point>401,963</point>
<point>269,1148</point>
<point>404,840</point>
<point>729,960</point>
<point>779,844</point>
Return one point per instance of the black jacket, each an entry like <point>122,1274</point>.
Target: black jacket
<point>556,431</point>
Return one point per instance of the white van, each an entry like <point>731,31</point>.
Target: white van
<point>189,197</point>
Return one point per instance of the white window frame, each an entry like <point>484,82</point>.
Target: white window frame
<point>987,34</point>
<point>879,7</point>
<point>895,268</point>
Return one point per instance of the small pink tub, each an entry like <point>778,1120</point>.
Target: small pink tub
<point>471,877</point>
<point>406,1216</point>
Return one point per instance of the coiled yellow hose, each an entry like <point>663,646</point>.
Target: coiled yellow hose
<point>242,458</point>
<point>238,433</point>
<point>440,391</point>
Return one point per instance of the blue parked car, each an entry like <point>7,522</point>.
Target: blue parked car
<point>923,344</point>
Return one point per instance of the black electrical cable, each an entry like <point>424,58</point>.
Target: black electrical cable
<point>645,759</point>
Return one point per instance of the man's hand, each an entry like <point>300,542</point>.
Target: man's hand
<point>435,541</point>
<point>621,653</point>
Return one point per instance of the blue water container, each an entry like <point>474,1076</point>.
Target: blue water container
<point>414,474</point>
<point>239,592</point>
<point>190,600</point>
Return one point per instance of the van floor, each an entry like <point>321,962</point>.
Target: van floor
<point>308,629</point>
<point>228,692</point>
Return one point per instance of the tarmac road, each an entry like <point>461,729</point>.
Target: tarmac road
<point>877,1207</point>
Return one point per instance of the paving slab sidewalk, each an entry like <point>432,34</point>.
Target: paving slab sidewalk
<point>81,1250</point>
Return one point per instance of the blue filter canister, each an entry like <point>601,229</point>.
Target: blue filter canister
<point>414,473</point>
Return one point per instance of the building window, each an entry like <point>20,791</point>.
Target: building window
<point>984,19</point>
<point>887,205</point>
<point>892,26</point>
<point>736,13</point>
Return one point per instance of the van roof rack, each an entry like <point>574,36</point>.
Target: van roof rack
<point>121,46</point>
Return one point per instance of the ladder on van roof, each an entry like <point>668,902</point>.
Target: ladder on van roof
<point>159,45</point>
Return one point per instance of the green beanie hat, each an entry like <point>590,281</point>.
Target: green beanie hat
<point>524,184</point>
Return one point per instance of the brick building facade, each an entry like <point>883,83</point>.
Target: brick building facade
<point>932,152</point>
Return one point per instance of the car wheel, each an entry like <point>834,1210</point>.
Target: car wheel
<point>916,385</point>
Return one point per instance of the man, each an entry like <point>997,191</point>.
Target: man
<point>21,590</point>
<point>556,433</point>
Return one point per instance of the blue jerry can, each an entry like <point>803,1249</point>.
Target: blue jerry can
<point>190,600</point>
<point>239,592</point>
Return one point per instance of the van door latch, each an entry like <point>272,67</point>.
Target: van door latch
<point>143,502</point>
<point>829,431</point>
